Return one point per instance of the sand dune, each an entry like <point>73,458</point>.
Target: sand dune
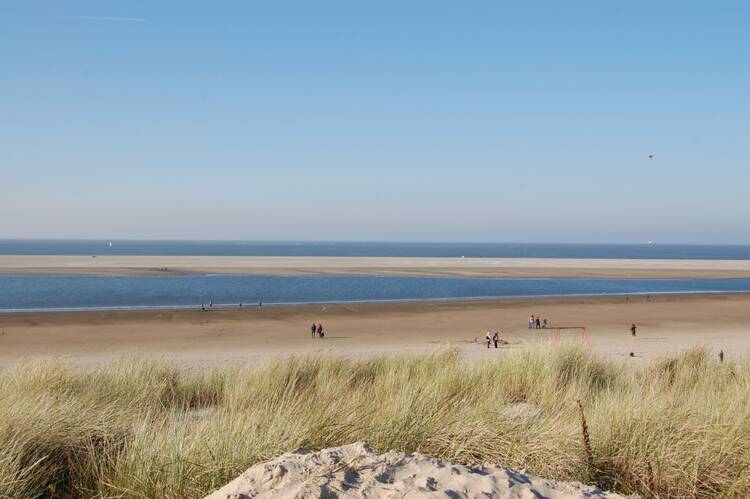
<point>355,471</point>
<point>481,267</point>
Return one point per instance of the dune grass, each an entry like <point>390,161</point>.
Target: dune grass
<point>679,426</point>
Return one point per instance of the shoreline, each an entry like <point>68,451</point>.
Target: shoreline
<point>231,306</point>
<point>398,266</point>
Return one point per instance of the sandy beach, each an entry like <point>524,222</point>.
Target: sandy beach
<point>470,267</point>
<point>666,323</point>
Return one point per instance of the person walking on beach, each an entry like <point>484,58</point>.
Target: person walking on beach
<point>538,323</point>
<point>496,338</point>
<point>544,323</point>
<point>632,330</point>
<point>531,322</point>
<point>320,330</point>
<point>313,328</point>
<point>488,338</point>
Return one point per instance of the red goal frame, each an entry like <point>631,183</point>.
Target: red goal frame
<point>584,333</point>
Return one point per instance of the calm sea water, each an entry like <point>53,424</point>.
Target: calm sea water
<point>33,292</point>
<point>29,292</point>
<point>485,250</point>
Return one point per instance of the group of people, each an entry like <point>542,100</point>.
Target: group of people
<point>317,330</point>
<point>537,323</point>
<point>494,338</point>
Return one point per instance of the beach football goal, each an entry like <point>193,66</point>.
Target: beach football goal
<point>582,331</point>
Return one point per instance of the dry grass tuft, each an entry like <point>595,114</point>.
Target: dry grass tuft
<point>679,426</point>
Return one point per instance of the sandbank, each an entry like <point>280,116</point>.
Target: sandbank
<point>467,267</point>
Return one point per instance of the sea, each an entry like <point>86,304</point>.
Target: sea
<point>20,293</point>
<point>371,249</point>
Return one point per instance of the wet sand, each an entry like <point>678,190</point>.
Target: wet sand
<point>239,336</point>
<point>469,267</point>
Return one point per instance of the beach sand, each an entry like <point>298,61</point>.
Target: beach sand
<point>240,336</point>
<point>471,267</point>
<point>356,472</point>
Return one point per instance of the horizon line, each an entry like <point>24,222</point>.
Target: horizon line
<point>361,241</point>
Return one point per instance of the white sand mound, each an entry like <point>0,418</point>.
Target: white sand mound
<point>354,471</point>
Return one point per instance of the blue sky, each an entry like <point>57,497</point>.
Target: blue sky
<point>424,121</point>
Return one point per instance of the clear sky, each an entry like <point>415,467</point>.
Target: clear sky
<point>404,120</point>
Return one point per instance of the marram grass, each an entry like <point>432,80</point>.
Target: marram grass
<point>675,427</point>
